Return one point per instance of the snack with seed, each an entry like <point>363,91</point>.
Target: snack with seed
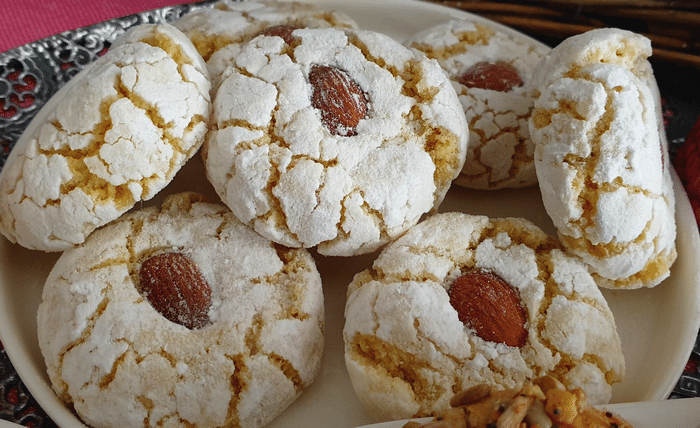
<point>219,31</point>
<point>340,140</point>
<point>602,157</point>
<point>544,402</point>
<point>181,316</point>
<point>115,135</point>
<point>461,300</point>
<point>490,70</point>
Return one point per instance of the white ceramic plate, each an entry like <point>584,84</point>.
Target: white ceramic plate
<point>658,327</point>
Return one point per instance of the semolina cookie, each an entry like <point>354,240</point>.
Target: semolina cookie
<point>490,70</point>
<point>340,140</point>
<point>462,300</point>
<point>115,135</point>
<point>219,31</point>
<point>602,157</point>
<point>181,316</point>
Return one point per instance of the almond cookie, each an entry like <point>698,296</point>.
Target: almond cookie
<point>490,70</point>
<point>602,158</point>
<point>462,300</point>
<point>219,31</point>
<point>115,135</point>
<point>340,140</point>
<point>181,316</point>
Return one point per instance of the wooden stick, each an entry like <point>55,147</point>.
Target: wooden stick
<point>678,17</point>
<point>517,9</point>
<point>676,57</point>
<point>657,4</point>
<point>651,15</point>
<point>547,22</point>
<point>561,29</point>
<point>634,3</point>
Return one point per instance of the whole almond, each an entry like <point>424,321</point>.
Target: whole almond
<point>490,306</point>
<point>176,288</point>
<point>340,99</point>
<point>496,76</point>
<point>283,31</point>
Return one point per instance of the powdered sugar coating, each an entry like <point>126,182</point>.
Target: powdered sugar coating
<point>601,157</point>
<point>406,350</point>
<point>118,362</point>
<point>219,31</point>
<point>116,134</point>
<point>272,160</point>
<point>500,151</point>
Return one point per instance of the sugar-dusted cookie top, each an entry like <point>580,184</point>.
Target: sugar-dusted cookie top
<point>340,140</point>
<point>490,70</point>
<point>116,354</point>
<point>601,157</point>
<point>116,134</point>
<point>461,300</point>
<point>219,31</point>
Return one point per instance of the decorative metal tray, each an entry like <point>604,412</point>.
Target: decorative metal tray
<point>31,74</point>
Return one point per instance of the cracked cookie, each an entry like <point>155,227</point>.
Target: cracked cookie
<point>115,135</point>
<point>602,158</point>
<point>219,31</point>
<point>462,300</point>
<point>181,316</point>
<point>340,140</point>
<point>490,70</point>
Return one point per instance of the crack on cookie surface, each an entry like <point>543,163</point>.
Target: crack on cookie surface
<point>481,35</point>
<point>509,137</point>
<point>62,390</point>
<point>97,188</point>
<point>398,364</point>
<point>286,367</point>
<point>238,384</point>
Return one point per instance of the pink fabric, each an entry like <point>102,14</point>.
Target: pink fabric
<point>24,21</point>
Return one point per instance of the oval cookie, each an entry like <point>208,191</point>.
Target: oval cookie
<point>602,158</point>
<point>462,300</point>
<point>113,357</point>
<point>490,70</point>
<point>115,135</point>
<point>346,174</point>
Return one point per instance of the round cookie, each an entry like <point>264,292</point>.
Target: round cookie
<point>219,31</point>
<point>490,70</point>
<point>115,135</point>
<point>117,361</point>
<point>602,157</point>
<point>340,140</point>
<point>462,300</point>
